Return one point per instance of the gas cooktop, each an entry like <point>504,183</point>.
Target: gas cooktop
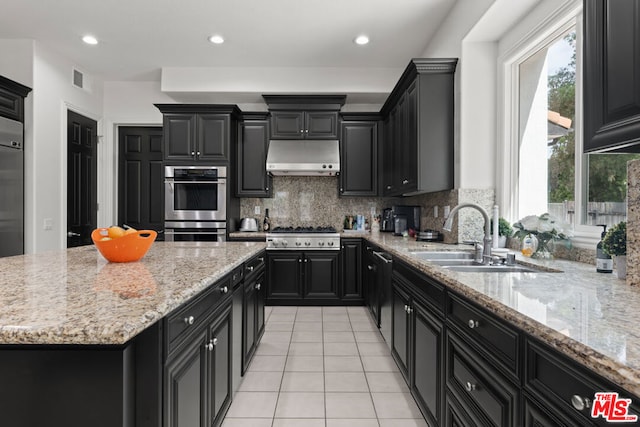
<point>304,230</point>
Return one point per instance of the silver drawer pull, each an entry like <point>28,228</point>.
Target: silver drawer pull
<point>209,346</point>
<point>370,267</point>
<point>469,386</point>
<point>580,402</point>
<point>473,324</point>
<point>224,289</point>
<point>258,286</point>
<point>215,341</point>
<point>405,182</point>
<point>250,267</point>
<point>189,320</point>
<point>261,259</point>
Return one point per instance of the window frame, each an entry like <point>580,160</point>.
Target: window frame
<point>507,173</point>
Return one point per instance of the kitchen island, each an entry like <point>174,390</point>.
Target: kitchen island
<point>81,339</point>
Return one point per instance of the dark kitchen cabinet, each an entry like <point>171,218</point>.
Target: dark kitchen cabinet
<point>351,259</point>
<point>418,343</point>
<point>304,125</point>
<point>199,132</point>
<point>198,376</point>
<point>252,179</point>
<point>303,277</point>
<point>12,96</point>
<point>253,313</point>
<point>565,389</point>
<point>419,112</point>
<point>304,116</point>
<point>358,156</point>
<point>198,349</point>
<point>611,75</point>
<point>487,396</point>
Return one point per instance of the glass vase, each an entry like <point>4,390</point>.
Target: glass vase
<point>544,249</point>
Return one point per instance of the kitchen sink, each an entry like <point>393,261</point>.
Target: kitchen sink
<point>480,268</point>
<point>445,255</point>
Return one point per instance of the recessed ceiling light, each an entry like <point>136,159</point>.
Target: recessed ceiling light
<point>361,40</point>
<point>216,39</point>
<point>90,39</point>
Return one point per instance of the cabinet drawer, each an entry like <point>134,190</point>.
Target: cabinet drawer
<point>559,381</point>
<point>187,318</point>
<point>479,387</point>
<point>254,265</point>
<point>497,341</point>
<point>429,290</point>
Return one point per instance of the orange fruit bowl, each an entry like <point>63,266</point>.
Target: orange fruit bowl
<point>128,248</point>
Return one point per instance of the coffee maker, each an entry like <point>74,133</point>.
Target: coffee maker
<point>405,217</point>
<point>387,220</point>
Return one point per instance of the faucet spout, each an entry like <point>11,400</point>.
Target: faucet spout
<point>486,257</point>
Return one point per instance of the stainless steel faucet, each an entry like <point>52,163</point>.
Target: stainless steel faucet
<point>486,247</point>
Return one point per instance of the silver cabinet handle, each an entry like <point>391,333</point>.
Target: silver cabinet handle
<point>189,320</point>
<point>261,259</point>
<point>250,268</point>
<point>580,402</point>
<point>198,153</point>
<point>473,324</point>
<point>215,341</point>
<point>267,188</point>
<point>209,346</point>
<point>409,310</point>
<point>193,153</point>
<point>405,182</point>
<point>72,234</point>
<point>370,267</point>
<point>224,289</point>
<point>258,286</point>
<point>306,260</point>
<point>388,187</point>
<point>469,386</point>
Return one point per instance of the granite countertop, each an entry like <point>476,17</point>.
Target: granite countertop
<point>75,296</point>
<point>586,315</point>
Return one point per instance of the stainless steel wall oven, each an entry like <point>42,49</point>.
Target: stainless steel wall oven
<point>195,203</point>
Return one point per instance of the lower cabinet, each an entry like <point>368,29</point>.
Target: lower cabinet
<point>197,378</point>
<point>303,277</point>
<point>253,317</point>
<point>351,259</point>
<point>417,346</point>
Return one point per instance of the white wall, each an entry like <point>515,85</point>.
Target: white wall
<point>129,104</point>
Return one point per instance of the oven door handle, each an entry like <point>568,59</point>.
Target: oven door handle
<point>220,233</point>
<point>167,181</point>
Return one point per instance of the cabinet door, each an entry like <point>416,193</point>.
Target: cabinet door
<point>219,367</point>
<point>321,125</point>
<point>284,274</point>
<point>252,179</point>
<point>427,362</point>
<point>248,323</point>
<point>399,135</point>
<point>390,153</point>
<point>321,274</point>
<point>409,170</point>
<point>372,285</point>
<point>400,329</point>
<point>287,125</point>
<point>612,75</point>
<point>351,269</point>
<point>179,132</point>
<point>213,137</point>
<point>359,159</point>
<point>184,386</point>
<point>260,290</point>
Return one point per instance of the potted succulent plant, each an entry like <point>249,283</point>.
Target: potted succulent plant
<point>504,231</point>
<point>615,244</point>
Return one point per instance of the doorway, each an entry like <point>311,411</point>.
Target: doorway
<point>140,177</point>
<point>82,179</point>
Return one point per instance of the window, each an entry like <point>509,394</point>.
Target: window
<point>545,170</point>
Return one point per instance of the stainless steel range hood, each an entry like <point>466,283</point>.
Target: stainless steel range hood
<point>303,157</point>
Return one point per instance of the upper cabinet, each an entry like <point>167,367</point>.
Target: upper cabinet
<point>612,75</point>
<point>12,96</point>
<point>359,154</point>
<point>252,179</point>
<point>304,117</point>
<point>198,132</point>
<point>418,134</point>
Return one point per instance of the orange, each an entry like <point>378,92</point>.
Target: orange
<point>115,231</point>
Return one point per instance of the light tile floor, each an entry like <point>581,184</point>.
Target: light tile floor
<point>322,367</point>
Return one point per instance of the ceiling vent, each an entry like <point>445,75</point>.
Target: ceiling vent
<point>78,79</point>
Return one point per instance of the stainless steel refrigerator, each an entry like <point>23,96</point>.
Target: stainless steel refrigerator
<point>11,188</point>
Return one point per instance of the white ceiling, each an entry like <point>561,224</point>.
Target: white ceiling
<point>139,37</point>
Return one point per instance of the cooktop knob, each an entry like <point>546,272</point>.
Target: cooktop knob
<point>284,243</point>
<point>320,243</point>
<point>297,243</point>
<point>307,243</point>
<point>330,243</point>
